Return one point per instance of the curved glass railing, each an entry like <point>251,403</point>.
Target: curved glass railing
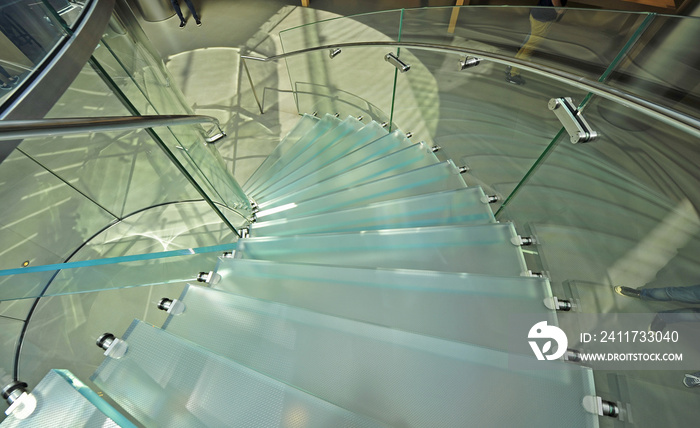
<point>30,31</point>
<point>103,208</point>
<point>620,210</point>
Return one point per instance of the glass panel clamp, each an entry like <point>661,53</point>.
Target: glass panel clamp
<point>173,307</point>
<point>522,241</point>
<point>114,348</point>
<point>600,407</point>
<point>490,199</point>
<point>572,355</point>
<point>396,62</point>
<point>469,61</point>
<point>208,278</point>
<point>557,304</point>
<point>570,117</point>
<point>22,404</point>
<point>333,52</point>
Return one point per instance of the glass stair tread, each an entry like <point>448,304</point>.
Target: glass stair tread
<point>368,133</point>
<point>452,207</point>
<point>380,147</point>
<point>164,380</point>
<point>405,160</point>
<point>346,128</point>
<point>438,304</point>
<point>62,400</point>
<point>301,128</point>
<point>396,377</point>
<point>485,249</point>
<point>434,178</point>
<point>289,149</point>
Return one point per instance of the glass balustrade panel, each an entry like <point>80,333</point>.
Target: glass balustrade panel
<point>496,129</point>
<point>29,32</point>
<point>662,66</point>
<point>619,211</point>
<point>583,42</point>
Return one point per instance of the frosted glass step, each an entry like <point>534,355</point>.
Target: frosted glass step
<point>287,154</point>
<point>346,128</point>
<point>440,304</point>
<point>304,126</point>
<point>165,381</point>
<point>400,378</point>
<point>62,400</point>
<point>375,149</point>
<point>320,159</point>
<point>429,179</point>
<point>475,249</point>
<point>453,207</point>
<point>413,157</point>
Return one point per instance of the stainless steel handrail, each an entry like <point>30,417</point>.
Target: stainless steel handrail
<point>672,117</point>
<point>20,129</point>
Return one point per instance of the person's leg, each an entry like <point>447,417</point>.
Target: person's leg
<point>538,32</point>
<point>689,294</point>
<point>664,318</point>
<point>176,6</point>
<point>194,12</point>
<point>5,73</point>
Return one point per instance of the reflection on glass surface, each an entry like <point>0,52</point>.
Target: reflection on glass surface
<point>663,67</point>
<point>28,32</point>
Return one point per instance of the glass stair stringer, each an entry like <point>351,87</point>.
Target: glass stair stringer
<point>380,147</point>
<point>396,377</point>
<point>434,178</point>
<point>485,249</point>
<point>287,151</point>
<point>62,400</point>
<point>301,129</point>
<point>405,160</point>
<point>439,304</point>
<point>316,160</point>
<point>449,208</point>
<point>166,381</point>
<point>346,128</point>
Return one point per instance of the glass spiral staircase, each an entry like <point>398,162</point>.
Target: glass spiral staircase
<point>363,275</point>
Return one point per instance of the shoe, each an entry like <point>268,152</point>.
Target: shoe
<point>657,324</point>
<point>183,23</point>
<point>14,79</point>
<point>514,79</point>
<point>692,380</point>
<point>5,87</point>
<point>627,291</point>
<point>199,23</point>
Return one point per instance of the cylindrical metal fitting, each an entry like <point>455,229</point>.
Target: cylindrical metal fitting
<point>105,340</point>
<point>610,409</point>
<point>165,303</point>
<point>12,391</point>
